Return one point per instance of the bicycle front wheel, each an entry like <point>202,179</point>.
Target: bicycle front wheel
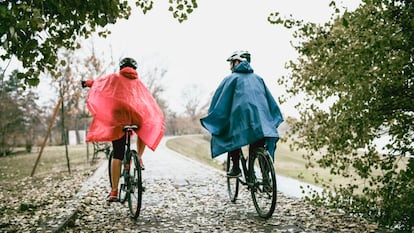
<point>264,190</point>
<point>232,183</point>
<point>135,187</point>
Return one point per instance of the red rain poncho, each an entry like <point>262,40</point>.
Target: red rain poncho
<point>121,99</point>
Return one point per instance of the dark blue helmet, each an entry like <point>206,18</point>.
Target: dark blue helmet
<point>128,62</point>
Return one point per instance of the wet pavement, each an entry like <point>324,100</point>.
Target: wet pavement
<point>183,195</point>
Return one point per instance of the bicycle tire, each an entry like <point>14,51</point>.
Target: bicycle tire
<point>109,168</point>
<point>135,187</point>
<point>232,183</point>
<point>121,183</point>
<point>264,189</point>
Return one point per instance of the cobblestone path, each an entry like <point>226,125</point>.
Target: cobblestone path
<point>185,196</point>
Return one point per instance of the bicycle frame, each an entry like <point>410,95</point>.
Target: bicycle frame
<point>258,175</point>
<point>246,166</point>
<point>126,162</point>
<point>129,131</point>
<point>133,182</point>
<point>127,157</point>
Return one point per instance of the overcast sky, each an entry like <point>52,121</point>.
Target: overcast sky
<point>195,51</point>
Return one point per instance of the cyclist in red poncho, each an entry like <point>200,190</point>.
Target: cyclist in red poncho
<point>120,99</point>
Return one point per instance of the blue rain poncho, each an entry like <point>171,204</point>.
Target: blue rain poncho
<point>242,111</point>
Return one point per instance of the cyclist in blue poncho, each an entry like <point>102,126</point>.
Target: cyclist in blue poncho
<point>242,112</point>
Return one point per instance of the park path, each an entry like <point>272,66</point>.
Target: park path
<point>186,196</point>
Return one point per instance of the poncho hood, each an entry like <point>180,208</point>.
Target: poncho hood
<point>129,73</point>
<point>243,67</point>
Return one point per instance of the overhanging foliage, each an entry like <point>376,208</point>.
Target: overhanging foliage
<point>359,65</point>
<point>34,31</point>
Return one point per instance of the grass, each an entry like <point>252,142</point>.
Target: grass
<point>53,160</point>
<point>287,163</point>
<point>194,147</point>
<point>197,147</point>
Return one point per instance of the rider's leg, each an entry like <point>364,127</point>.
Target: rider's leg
<point>119,150</point>
<point>116,173</point>
<point>140,148</point>
<point>235,157</point>
<point>263,166</point>
<point>256,144</point>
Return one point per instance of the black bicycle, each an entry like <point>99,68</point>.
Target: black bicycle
<point>258,174</point>
<point>130,183</point>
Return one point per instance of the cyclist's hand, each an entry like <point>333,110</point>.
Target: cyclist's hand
<point>87,83</point>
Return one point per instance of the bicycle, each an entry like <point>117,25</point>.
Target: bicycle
<point>130,183</point>
<point>258,174</point>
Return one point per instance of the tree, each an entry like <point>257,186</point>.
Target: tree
<point>360,65</point>
<point>32,119</point>
<point>68,86</point>
<point>152,77</point>
<point>19,115</point>
<point>191,96</point>
<point>10,123</point>
<point>35,31</point>
<point>187,123</point>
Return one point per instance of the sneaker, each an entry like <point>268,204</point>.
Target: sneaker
<point>113,196</point>
<point>234,172</point>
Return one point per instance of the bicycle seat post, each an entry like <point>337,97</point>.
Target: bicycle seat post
<point>129,130</point>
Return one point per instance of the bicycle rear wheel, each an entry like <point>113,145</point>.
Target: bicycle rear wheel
<point>232,183</point>
<point>121,183</point>
<point>264,190</point>
<point>135,187</point>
